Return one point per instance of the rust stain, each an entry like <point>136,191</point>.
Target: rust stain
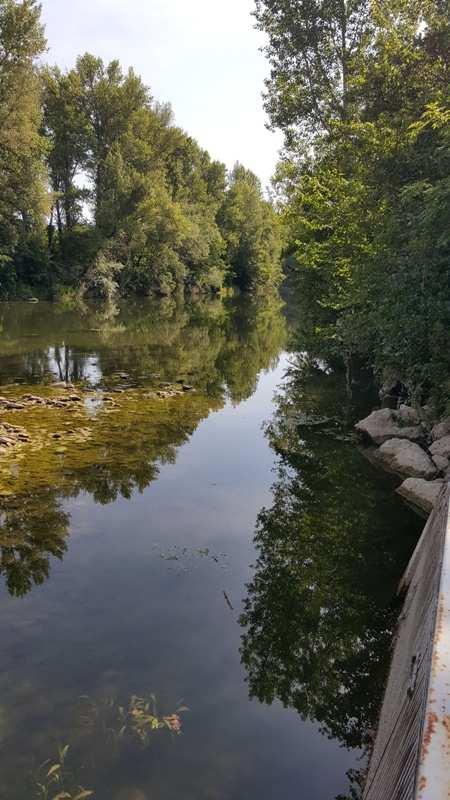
<point>440,620</point>
<point>432,720</point>
<point>421,786</point>
<point>446,723</point>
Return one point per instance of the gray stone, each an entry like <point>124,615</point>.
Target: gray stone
<point>406,458</point>
<point>385,424</point>
<point>441,462</point>
<point>441,447</point>
<point>420,492</point>
<point>441,429</point>
<point>408,415</point>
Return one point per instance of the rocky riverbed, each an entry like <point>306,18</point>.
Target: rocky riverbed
<point>49,433</point>
<point>414,445</point>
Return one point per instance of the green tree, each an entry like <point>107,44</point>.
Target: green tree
<point>66,128</point>
<point>360,189</point>
<point>23,200</point>
<point>108,100</point>
<point>249,225</point>
<point>314,48</point>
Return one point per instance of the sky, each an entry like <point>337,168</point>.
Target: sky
<point>202,56</point>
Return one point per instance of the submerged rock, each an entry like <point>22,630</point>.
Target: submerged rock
<point>27,400</point>
<point>421,493</point>
<point>385,424</point>
<point>10,405</point>
<point>406,458</point>
<point>11,436</point>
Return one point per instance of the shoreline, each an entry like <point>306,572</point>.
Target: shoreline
<point>413,444</point>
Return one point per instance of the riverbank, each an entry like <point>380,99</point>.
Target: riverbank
<point>412,443</point>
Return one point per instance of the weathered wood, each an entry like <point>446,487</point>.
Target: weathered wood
<point>411,756</point>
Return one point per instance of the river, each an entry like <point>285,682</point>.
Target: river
<point>197,565</point>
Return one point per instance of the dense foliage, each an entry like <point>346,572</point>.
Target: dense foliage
<point>361,91</point>
<point>100,190</point>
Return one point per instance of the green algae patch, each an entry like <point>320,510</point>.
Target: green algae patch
<point>95,439</point>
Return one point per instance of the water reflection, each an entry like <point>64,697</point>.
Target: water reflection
<point>32,529</point>
<point>144,595</point>
<point>331,547</point>
<point>205,340</point>
<point>220,347</point>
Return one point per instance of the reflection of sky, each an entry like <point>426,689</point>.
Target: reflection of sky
<point>91,369</point>
<point>114,616</point>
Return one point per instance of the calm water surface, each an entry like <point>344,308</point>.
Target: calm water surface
<point>227,550</point>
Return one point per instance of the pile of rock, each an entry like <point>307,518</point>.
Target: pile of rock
<point>27,400</point>
<point>11,436</point>
<point>411,448</point>
<point>170,391</point>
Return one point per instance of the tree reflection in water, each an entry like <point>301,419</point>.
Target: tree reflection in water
<point>320,608</point>
<point>32,529</point>
<point>221,347</point>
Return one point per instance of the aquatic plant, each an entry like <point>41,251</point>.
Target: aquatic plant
<point>186,556</point>
<point>138,719</point>
<point>54,781</point>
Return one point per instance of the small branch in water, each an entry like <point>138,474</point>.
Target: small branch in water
<point>227,600</point>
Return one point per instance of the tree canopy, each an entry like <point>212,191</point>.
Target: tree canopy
<point>102,192</point>
<point>361,91</point>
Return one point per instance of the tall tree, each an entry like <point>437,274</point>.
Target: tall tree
<point>314,47</point>
<point>250,228</point>
<point>108,100</point>
<point>23,199</point>
<point>66,128</point>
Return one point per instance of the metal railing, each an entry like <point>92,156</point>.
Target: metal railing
<point>411,755</point>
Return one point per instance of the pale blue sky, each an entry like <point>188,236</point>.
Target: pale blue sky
<point>202,56</point>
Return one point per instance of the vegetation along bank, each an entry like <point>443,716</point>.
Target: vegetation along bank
<point>361,93</point>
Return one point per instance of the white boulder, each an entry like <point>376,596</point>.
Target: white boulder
<point>406,458</point>
<point>420,492</point>
<point>385,424</point>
